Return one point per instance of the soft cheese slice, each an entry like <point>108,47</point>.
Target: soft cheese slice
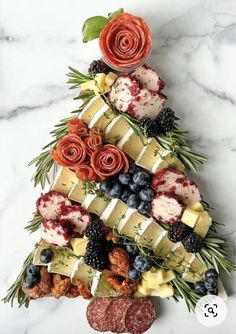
<point>203,224</point>
<point>64,181</point>
<point>178,259</point>
<point>100,286</point>
<point>95,204</point>
<point>131,144</point>
<point>114,212</point>
<point>163,245</point>
<point>151,154</point>
<point>131,224</point>
<point>77,193</point>
<point>116,130</point>
<point>41,245</point>
<point>196,270</point>
<point>82,272</point>
<point>167,161</point>
<point>102,118</point>
<point>63,262</point>
<point>91,108</point>
<point>149,232</point>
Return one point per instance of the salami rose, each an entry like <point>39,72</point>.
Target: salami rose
<point>92,142</point>
<point>70,151</point>
<point>85,172</point>
<point>77,126</point>
<point>125,42</point>
<point>109,160</point>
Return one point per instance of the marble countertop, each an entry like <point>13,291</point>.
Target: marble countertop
<point>194,51</point>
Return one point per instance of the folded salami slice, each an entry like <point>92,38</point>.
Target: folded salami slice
<point>51,204</point>
<point>115,314</point>
<point>96,313</point>
<point>140,316</point>
<point>167,208</point>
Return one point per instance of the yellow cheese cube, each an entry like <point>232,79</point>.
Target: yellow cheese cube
<point>64,181</point>
<point>88,85</point>
<point>145,284</point>
<point>79,245</point>
<point>164,291</point>
<point>77,193</point>
<point>197,207</point>
<point>143,291</point>
<point>110,78</point>
<point>190,217</point>
<point>203,224</point>
<point>169,275</point>
<point>100,80</point>
<point>155,279</point>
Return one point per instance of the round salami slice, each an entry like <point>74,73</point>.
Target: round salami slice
<point>140,316</point>
<point>115,314</point>
<point>96,313</point>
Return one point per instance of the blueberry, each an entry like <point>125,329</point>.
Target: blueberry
<point>33,270</point>
<point>142,263</point>
<point>146,194</point>
<point>124,178</point>
<point>200,288</point>
<point>115,191</point>
<point>133,201</point>
<point>141,178</point>
<point>210,283</point>
<point>134,187</point>
<point>133,169</point>
<point>132,250</point>
<point>126,193</point>
<point>30,281</point>
<point>144,208</point>
<point>134,274</point>
<point>212,291</point>
<point>211,273</point>
<point>46,255</point>
<point>106,185</point>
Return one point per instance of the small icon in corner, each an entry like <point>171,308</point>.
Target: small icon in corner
<point>211,310</point>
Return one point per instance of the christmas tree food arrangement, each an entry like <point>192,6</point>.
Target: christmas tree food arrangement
<point>122,221</point>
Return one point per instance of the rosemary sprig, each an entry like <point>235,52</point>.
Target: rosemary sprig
<point>186,292</point>
<point>15,291</point>
<point>77,78</point>
<point>35,223</point>
<point>214,254</point>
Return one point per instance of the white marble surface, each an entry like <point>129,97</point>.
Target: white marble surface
<point>194,52</point>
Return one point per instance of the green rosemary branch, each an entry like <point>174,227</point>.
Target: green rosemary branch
<point>214,254</point>
<point>15,291</point>
<point>35,223</point>
<point>186,292</point>
<point>77,78</point>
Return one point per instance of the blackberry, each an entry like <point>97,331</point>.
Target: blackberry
<point>98,66</point>
<point>178,231</point>
<point>109,246</point>
<point>95,230</point>
<point>94,247</point>
<point>165,120</point>
<point>96,260</point>
<point>192,243</point>
<point>148,127</point>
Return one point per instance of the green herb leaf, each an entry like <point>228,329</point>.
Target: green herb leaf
<point>92,27</point>
<point>115,13</point>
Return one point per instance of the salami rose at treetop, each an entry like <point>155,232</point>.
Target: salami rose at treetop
<point>109,160</point>
<point>125,42</point>
<point>70,151</point>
